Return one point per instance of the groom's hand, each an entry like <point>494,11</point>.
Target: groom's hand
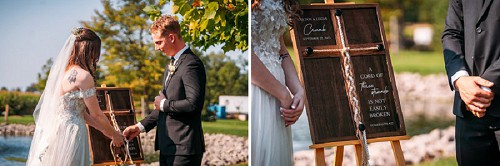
<point>158,100</point>
<point>131,132</point>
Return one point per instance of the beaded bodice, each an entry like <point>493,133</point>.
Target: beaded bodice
<point>73,105</point>
<point>269,22</point>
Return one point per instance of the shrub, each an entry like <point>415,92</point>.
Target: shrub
<point>20,103</point>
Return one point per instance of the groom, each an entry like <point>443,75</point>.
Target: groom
<point>177,115</point>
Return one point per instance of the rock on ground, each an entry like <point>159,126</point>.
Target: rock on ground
<point>436,144</point>
<point>220,149</point>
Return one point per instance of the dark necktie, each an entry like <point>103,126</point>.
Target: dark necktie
<point>171,67</point>
<point>172,60</point>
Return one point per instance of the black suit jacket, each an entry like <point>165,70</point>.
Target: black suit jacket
<point>471,42</point>
<point>179,129</point>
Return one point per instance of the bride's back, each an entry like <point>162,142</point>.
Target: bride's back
<point>75,79</point>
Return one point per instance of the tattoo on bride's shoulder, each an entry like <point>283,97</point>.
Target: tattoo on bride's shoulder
<point>72,76</point>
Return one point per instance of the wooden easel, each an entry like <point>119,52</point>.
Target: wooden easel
<point>319,149</point>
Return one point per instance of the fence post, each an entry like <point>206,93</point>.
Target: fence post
<point>6,114</point>
<point>144,107</point>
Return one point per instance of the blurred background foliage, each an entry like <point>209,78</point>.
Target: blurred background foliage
<point>128,58</point>
<point>210,22</point>
<point>20,103</point>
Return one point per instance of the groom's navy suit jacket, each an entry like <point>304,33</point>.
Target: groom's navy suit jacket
<point>471,42</point>
<point>179,129</point>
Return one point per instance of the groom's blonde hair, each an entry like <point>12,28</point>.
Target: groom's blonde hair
<point>165,25</point>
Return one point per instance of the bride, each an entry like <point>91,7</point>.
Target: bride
<point>61,136</point>
<point>273,75</point>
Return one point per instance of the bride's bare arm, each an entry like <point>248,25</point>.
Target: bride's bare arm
<point>262,78</point>
<point>291,77</point>
<point>89,120</point>
<point>95,117</point>
<point>293,83</point>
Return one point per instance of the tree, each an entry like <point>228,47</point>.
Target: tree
<point>43,75</point>
<point>224,77</point>
<point>437,16</point>
<point>31,88</point>
<point>128,58</point>
<point>209,22</point>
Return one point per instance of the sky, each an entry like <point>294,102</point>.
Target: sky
<point>32,31</point>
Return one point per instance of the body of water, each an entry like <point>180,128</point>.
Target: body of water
<point>14,147</point>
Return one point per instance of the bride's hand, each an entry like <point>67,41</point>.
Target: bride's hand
<point>117,139</point>
<point>292,115</point>
<point>298,102</point>
<point>286,101</point>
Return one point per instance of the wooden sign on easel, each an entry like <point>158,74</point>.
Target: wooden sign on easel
<point>120,101</point>
<point>321,37</point>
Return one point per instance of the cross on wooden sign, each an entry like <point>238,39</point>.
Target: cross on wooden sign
<point>347,72</point>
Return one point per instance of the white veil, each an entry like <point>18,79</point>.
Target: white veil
<point>45,112</point>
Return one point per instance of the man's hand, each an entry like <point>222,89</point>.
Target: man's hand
<point>131,132</point>
<point>158,100</point>
<point>478,114</point>
<point>475,98</point>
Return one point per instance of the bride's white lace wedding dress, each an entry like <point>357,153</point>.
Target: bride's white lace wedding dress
<point>271,140</point>
<point>67,144</point>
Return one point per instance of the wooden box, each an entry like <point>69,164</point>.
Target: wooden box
<point>122,105</point>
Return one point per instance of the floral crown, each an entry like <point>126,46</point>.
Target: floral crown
<point>77,32</point>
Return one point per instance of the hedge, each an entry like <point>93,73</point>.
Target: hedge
<point>20,103</point>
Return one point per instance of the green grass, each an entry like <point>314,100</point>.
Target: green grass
<point>418,62</point>
<point>21,160</point>
<point>223,126</point>
<point>447,161</point>
<point>16,119</point>
<point>152,157</point>
<point>227,126</point>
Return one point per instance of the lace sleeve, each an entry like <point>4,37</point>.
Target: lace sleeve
<point>86,93</point>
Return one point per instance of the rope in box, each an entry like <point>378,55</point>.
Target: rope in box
<point>117,128</point>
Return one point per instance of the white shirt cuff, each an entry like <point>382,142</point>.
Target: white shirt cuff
<point>141,127</point>
<point>161,104</point>
<point>457,75</point>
